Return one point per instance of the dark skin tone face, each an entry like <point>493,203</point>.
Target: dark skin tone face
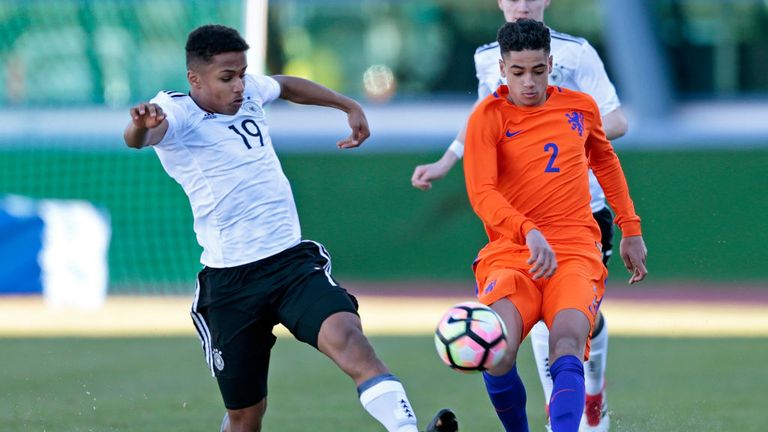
<point>218,86</point>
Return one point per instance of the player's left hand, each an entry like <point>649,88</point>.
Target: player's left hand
<point>360,131</point>
<point>634,253</point>
<point>147,115</point>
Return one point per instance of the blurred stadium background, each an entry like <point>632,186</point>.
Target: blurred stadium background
<point>691,75</point>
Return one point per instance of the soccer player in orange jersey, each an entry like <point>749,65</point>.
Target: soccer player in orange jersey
<point>577,66</point>
<point>529,146</point>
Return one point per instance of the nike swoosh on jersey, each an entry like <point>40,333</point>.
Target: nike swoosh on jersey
<point>511,134</point>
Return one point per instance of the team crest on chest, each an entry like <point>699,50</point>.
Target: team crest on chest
<point>576,119</point>
<point>253,108</point>
<point>557,75</point>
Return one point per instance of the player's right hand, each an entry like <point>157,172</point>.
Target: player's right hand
<point>542,255</point>
<point>360,130</point>
<point>634,254</point>
<point>423,175</point>
<point>147,115</point>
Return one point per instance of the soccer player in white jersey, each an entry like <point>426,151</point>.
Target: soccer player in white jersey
<point>215,142</point>
<point>576,66</point>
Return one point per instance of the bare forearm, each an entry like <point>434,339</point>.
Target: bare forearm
<point>423,175</point>
<point>449,159</point>
<point>615,124</point>
<point>147,127</point>
<point>306,92</point>
<point>136,137</point>
<point>457,146</point>
<point>455,151</point>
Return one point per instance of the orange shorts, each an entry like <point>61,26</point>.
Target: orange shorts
<point>578,283</point>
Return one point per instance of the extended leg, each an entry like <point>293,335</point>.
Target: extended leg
<point>341,338</point>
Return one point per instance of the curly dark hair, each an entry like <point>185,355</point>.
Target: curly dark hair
<point>206,41</point>
<point>523,34</point>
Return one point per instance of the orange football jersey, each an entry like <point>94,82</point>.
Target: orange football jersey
<point>526,167</point>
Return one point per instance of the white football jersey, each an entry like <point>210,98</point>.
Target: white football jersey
<point>575,65</point>
<point>242,203</point>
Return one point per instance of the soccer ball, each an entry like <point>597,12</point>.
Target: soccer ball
<point>471,337</point>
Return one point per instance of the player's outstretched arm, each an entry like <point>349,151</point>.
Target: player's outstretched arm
<point>306,92</point>
<point>423,175</point>
<point>147,127</point>
<point>634,254</point>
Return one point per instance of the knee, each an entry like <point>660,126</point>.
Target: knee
<point>244,423</point>
<point>341,338</point>
<point>247,419</point>
<point>507,362</point>
<point>568,335</point>
<point>566,345</point>
<point>341,332</point>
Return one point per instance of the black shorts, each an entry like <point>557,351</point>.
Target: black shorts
<point>236,308</point>
<point>604,219</point>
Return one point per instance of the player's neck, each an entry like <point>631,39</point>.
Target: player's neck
<point>200,103</point>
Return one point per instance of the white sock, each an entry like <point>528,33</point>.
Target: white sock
<point>594,368</point>
<point>540,344</point>
<point>384,398</point>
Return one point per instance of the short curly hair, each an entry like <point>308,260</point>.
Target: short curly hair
<point>209,40</point>
<point>523,34</point>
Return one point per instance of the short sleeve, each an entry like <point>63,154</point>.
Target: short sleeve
<point>591,78</point>
<point>174,114</point>
<point>267,87</point>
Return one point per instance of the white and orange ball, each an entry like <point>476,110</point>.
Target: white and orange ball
<point>471,337</point>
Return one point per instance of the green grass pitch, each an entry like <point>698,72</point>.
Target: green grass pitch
<point>153,384</point>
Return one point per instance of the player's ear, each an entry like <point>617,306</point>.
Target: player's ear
<point>193,78</point>
<point>502,69</point>
<point>549,64</point>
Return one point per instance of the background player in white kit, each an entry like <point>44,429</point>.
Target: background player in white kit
<point>576,66</point>
<point>258,272</point>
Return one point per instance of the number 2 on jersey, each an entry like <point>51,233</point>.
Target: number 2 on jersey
<point>247,125</point>
<point>551,168</point>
